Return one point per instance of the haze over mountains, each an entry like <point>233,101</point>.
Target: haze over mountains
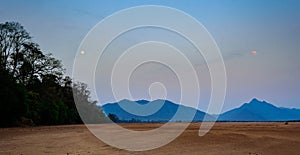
<point>255,110</point>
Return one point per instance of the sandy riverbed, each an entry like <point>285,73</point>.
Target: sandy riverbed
<point>224,138</point>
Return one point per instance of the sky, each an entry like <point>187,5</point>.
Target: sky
<point>259,41</point>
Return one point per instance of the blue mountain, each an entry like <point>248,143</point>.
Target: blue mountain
<point>164,113</point>
<point>260,111</point>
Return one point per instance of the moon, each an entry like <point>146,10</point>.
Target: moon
<point>253,52</point>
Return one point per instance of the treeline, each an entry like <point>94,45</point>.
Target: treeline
<point>114,118</point>
<point>33,88</point>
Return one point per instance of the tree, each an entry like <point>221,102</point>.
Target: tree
<point>113,118</point>
<point>33,89</point>
<point>88,110</point>
<point>22,57</point>
<point>13,37</point>
<point>12,103</point>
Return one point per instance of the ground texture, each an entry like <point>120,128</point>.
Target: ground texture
<point>224,138</point>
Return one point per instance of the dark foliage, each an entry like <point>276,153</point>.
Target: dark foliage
<point>33,88</point>
<point>113,118</point>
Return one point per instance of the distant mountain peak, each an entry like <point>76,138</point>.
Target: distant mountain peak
<point>167,111</point>
<point>257,110</point>
<point>142,101</point>
<point>254,100</point>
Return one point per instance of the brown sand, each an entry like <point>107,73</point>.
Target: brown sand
<point>224,138</point>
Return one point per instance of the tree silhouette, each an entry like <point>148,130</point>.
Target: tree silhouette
<point>13,37</point>
<point>113,118</point>
<point>88,110</point>
<point>34,90</point>
<point>12,104</point>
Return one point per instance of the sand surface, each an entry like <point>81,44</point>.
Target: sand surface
<point>224,138</point>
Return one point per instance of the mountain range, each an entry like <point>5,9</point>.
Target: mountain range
<point>260,111</point>
<point>255,110</point>
<point>165,113</point>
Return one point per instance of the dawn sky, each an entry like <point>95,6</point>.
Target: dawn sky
<point>259,41</point>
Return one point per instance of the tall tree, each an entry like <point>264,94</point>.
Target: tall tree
<point>33,89</point>
<point>22,57</point>
<point>13,37</point>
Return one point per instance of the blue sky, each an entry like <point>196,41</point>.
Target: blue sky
<point>271,27</point>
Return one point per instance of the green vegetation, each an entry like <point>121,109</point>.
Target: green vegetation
<point>34,90</point>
